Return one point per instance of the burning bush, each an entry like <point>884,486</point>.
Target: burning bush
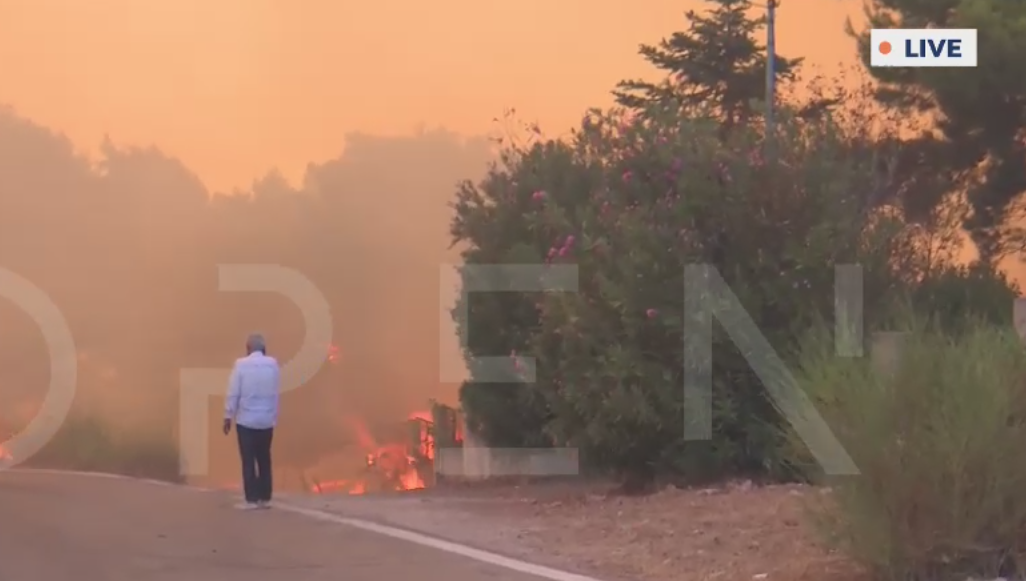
<point>401,461</point>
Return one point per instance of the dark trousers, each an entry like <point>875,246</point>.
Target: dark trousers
<point>255,449</point>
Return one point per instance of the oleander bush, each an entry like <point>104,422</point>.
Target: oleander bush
<point>631,201</point>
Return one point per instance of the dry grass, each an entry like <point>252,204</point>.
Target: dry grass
<point>737,532</point>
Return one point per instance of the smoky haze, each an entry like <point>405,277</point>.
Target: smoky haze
<point>126,240</point>
<point>127,243</point>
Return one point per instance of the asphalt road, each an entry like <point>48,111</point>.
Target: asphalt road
<point>59,527</point>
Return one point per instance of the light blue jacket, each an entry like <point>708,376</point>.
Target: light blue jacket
<point>253,392</point>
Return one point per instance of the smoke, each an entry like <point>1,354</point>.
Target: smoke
<point>127,245</point>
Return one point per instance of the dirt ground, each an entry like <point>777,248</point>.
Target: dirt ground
<point>731,533</point>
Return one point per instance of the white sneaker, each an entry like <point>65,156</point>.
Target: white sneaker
<point>247,506</point>
<point>264,504</point>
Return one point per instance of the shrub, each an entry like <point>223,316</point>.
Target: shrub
<point>664,193</point>
<point>631,201</point>
<point>490,224</point>
<point>957,295</point>
<point>86,443</point>
<point>939,443</point>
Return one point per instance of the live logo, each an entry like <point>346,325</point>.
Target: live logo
<point>945,47</point>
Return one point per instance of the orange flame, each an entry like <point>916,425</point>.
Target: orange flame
<point>396,464</point>
<point>349,486</point>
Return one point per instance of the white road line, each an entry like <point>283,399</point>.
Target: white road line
<point>440,544</point>
<point>388,531</point>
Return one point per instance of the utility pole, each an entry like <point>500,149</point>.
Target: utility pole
<point>771,73</point>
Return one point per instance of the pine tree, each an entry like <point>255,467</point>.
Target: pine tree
<point>717,63</point>
<point>980,112</point>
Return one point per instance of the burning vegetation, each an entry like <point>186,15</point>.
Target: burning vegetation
<point>403,462</point>
<point>400,458</point>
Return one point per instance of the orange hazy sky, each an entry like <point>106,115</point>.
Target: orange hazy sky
<point>235,87</point>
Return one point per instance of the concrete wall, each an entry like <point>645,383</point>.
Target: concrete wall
<point>475,461</point>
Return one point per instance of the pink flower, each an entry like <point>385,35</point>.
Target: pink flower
<point>517,365</point>
<point>755,157</point>
<point>627,175</point>
<point>539,195</point>
<point>651,313</point>
<point>552,252</point>
<point>564,251</point>
<point>569,241</point>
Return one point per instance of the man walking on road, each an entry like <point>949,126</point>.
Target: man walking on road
<point>252,404</point>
